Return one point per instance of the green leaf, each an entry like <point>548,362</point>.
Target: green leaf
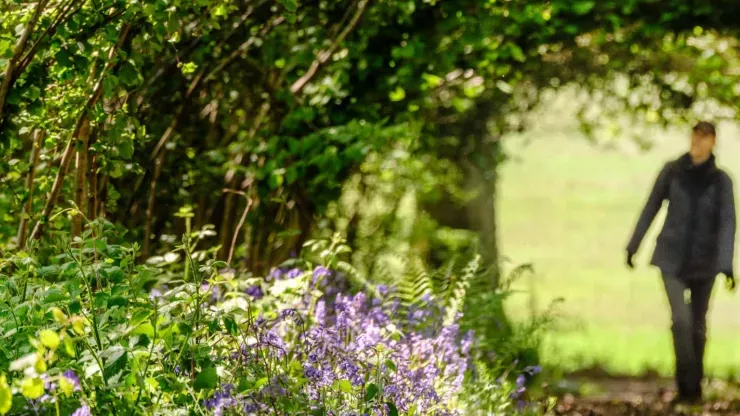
<point>52,296</point>
<point>392,410</point>
<point>5,48</point>
<point>276,179</point>
<point>69,347</point>
<point>49,339</point>
<point>583,7</point>
<point>140,316</point>
<point>290,5</point>
<point>144,329</point>
<point>126,149</point>
<point>231,326</point>
<point>112,354</point>
<point>291,174</point>
<point>398,94</point>
<point>261,382</point>
<point>345,386</point>
<point>117,301</point>
<point>32,388</point>
<point>64,58</point>
<point>66,386</point>
<point>206,379</point>
<point>116,170</point>
<point>188,68</point>
<point>33,93</point>
<point>517,53</point>
<point>6,395</point>
<point>371,391</point>
<point>391,365</point>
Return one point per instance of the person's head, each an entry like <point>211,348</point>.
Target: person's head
<point>703,139</point>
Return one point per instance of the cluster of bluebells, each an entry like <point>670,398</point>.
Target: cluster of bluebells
<point>354,339</point>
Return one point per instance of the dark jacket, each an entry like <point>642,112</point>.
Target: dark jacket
<point>698,237</point>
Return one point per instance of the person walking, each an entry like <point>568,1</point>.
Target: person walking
<point>696,244</point>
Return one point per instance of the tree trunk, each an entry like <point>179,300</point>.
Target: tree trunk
<point>481,210</point>
<point>30,177</point>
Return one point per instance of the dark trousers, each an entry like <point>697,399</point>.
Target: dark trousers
<point>689,316</point>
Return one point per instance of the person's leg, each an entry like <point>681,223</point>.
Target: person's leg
<point>683,343</point>
<point>701,292</point>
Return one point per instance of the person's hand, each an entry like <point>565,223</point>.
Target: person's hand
<point>730,281</point>
<point>630,263</point>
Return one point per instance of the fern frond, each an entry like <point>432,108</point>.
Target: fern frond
<point>458,289</point>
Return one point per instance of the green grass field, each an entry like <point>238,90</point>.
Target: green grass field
<point>569,207</point>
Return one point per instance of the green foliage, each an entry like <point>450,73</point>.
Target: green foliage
<point>94,329</point>
<point>216,90</point>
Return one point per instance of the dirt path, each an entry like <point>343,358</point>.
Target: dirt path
<point>647,396</point>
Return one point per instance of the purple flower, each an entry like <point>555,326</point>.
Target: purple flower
<point>71,376</point>
<point>320,272</point>
<point>383,290</point>
<point>222,400</point>
<point>293,273</point>
<point>275,274</point>
<point>255,292</point>
<point>84,410</point>
<point>155,294</point>
<point>533,370</point>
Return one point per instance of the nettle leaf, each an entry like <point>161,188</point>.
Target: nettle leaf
<point>206,379</point>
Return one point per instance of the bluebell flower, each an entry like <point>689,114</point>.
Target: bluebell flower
<point>155,294</point>
<point>84,410</point>
<point>255,292</point>
<point>72,377</point>
<point>293,273</point>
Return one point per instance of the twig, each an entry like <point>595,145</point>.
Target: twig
<point>240,224</point>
